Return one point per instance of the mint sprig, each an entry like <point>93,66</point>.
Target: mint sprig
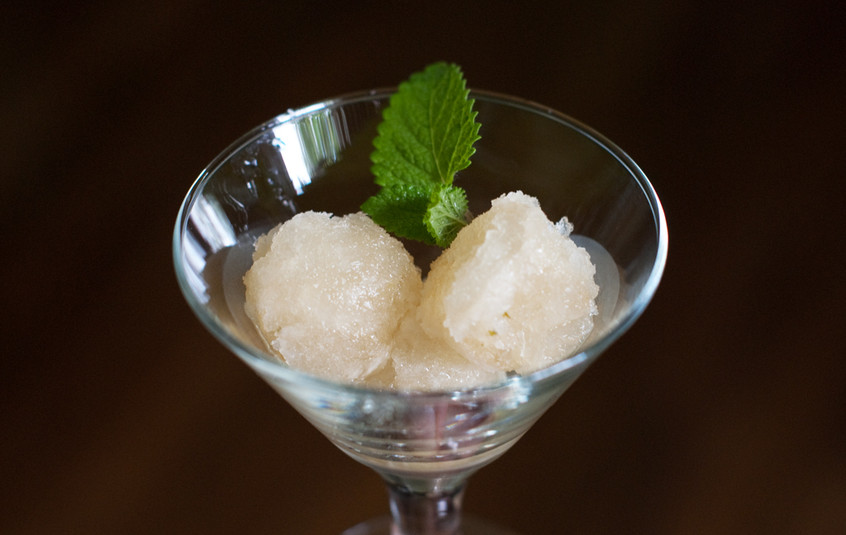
<point>446,213</point>
<point>426,136</point>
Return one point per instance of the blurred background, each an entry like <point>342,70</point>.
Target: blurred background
<point>722,411</point>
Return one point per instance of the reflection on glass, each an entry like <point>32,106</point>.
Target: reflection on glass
<point>307,145</point>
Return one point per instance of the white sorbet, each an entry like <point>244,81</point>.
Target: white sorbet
<point>512,292</point>
<point>420,362</point>
<point>327,293</point>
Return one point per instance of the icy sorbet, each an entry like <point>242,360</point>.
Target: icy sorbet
<point>340,298</point>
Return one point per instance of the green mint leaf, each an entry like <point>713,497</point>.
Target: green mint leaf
<point>426,136</point>
<point>428,130</point>
<point>401,209</point>
<point>446,213</point>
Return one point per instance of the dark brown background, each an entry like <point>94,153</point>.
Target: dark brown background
<point>722,411</point>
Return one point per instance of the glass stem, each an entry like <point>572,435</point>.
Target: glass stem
<point>425,513</point>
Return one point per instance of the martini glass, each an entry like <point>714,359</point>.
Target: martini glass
<point>425,445</point>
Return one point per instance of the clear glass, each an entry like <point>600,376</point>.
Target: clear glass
<point>424,445</point>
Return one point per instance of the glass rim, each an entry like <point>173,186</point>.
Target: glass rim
<point>280,370</point>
